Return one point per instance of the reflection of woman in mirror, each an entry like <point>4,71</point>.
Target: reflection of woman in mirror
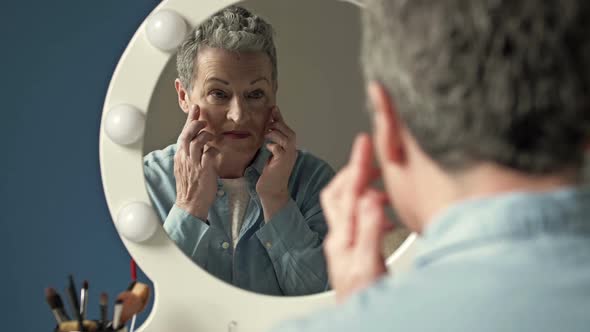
<point>235,193</point>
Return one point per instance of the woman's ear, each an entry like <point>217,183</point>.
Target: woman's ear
<point>183,96</point>
<point>387,133</point>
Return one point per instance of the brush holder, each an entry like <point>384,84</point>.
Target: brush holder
<point>107,329</point>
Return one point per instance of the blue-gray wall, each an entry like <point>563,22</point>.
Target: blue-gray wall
<point>57,58</point>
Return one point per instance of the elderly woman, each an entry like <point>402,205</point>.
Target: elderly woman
<point>235,193</point>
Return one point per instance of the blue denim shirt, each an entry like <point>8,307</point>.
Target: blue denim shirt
<point>281,257</point>
<point>516,262</point>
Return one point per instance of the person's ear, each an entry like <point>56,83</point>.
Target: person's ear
<point>183,96</point>
<point>386,125</point>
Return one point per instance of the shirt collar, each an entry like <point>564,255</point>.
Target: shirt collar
<point>513,214</point>
<point>259,161</point>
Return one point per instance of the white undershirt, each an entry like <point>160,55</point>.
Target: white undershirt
<point>238,198</point>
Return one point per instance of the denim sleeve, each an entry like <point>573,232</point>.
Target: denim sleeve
<point>294,237</point>
<point>185,230</point>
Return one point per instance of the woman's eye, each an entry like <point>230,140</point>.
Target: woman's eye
<point>256,94</point>
<point>218,94</point>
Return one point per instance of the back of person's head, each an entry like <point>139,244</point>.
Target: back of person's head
<point>502,81</point>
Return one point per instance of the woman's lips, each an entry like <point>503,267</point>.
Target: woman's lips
<point>236,134</point>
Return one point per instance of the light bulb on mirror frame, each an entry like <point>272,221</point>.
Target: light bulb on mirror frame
<point>124,124</point>
<point>137,222</point>
<point>166,30</point>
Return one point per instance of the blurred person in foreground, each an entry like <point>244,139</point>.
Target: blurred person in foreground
<point>480,125</point>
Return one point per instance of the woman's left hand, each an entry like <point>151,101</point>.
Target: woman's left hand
<point>272,186</point>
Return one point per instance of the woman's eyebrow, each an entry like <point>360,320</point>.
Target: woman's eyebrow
<point>217,79</point>
<point>260,79</point>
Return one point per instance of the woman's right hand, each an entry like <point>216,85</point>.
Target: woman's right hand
<point>196,178</point>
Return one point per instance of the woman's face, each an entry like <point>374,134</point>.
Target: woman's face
<point>236,94</point>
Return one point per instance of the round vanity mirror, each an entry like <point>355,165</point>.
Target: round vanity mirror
<point>244,120</point>
<point>319,92</point>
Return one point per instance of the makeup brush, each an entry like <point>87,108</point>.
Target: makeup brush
<point>134,281</point>
<point>117,314</point>
<point>134,301</point>
<point>84,300</point>
<point>132,326</point>
<point>71,291</point>
<point>56,305</point>
<point>131,285</point>
<point>104,302</point>
<point>133,268</point>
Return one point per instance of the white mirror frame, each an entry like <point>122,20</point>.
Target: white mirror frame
<point>187,298</point>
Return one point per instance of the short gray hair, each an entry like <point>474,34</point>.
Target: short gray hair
<point>502,81</point>
<point>233,28</point>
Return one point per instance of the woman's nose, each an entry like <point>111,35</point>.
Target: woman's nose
<point>237,112</point>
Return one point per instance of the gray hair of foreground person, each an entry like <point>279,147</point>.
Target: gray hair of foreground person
<point>499,81</point>
<point>234,29</point>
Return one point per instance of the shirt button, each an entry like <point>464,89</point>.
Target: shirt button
<point>225,245</point>
<point>220,193</point>
<point>268,245</point>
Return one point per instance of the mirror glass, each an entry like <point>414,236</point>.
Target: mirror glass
<point>259,226</point>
